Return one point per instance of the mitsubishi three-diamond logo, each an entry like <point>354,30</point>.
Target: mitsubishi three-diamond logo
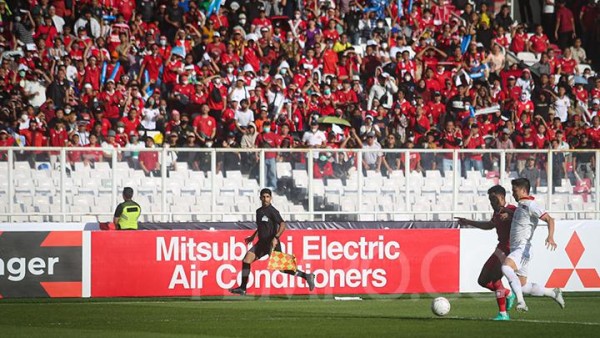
<point>560,277</point>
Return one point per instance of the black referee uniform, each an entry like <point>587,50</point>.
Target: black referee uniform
<point>267,219</point>
<point>270,225</point>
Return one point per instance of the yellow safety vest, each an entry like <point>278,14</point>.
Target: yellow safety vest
<point>129,217</point>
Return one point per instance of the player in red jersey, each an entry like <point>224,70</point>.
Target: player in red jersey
<point>491,273</point>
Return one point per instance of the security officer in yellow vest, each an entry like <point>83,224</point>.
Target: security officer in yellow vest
<point>128,212</point>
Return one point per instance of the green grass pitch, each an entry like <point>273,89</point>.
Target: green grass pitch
<point>376,316</point>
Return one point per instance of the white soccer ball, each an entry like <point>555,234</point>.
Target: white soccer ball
<point>440,306</point>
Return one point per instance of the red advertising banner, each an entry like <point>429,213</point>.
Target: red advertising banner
<point>207,263</point>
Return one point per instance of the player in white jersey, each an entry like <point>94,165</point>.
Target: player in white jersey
<point>516,264</point>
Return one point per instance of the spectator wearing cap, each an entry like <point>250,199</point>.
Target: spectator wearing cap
<point>82,133</point>
<point>263,117</point>
<point>122,138</point>
<point>369,127</point>
<point>525,82</point>
<point>532,173</point>
<point>111,143</point>
<point>149,160</point>
<point>239,90</point>
<point>112,101</point>
<point>383,90</point>
<point>372,158</point>
<point>217,97</point>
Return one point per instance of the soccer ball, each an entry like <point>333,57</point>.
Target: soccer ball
<point>440,306</point>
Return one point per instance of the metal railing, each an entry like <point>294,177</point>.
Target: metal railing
<point>51,184</point>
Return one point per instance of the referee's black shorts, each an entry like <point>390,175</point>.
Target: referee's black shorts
<point>263,248</point>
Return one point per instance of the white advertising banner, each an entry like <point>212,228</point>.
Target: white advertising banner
<point>573,266</point>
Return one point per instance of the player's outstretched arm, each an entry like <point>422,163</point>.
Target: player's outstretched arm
<point>479,225</point>
<point>550,244</point>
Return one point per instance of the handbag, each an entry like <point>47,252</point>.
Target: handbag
<point>281,261</point>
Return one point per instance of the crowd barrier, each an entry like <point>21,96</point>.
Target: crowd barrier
<point>42,189</point>
<point>42,262</point>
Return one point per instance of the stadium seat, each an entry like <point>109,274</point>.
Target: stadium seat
<point>422,206</point>
<point>528,58</point>
<point>284,169</point>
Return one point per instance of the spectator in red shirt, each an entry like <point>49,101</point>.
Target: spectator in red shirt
<point>149,160</point>
<point>113,101</point>
<point>268,139</point>
<point>205,125</point>
<point>131,122</point>
<point>538,43</point>
<point>564,31</point>
<point>567,64</point>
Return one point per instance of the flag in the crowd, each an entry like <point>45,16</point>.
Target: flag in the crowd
<point>487,110</point>
<point>213,7</point>
<point>410,6</point>
<point>400,9</point>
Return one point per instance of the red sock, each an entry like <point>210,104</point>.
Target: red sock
<point>501,294</point>
<point>501,300</point>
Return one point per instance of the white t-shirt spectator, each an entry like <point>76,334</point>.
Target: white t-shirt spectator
<point>371,156</point>
<point>149,116</point>
<point>244,118</point>
<point>238,94</point>
<point>561,106</point>
<point>314,139</point>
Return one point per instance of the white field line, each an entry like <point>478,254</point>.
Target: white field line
<point>541,321</point>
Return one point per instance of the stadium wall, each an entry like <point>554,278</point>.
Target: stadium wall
<point>42,260</point>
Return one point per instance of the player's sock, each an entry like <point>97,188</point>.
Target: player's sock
<point>298,273</point>
<point>537,290</point>
<point>245,274</point>
<point>501,300</point>
<point>515,283</point>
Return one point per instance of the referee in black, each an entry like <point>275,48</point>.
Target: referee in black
<point>270,227</point>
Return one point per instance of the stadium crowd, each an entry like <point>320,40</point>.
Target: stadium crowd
<point>268,73</point>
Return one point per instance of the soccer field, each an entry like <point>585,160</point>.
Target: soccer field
<point>280,317</point>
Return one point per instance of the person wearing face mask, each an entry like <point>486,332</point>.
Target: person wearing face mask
<point>268,139</point>
<point>217,97</point>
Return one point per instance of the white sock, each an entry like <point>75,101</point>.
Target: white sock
<point>515,283</point>
<point>537,290</point>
